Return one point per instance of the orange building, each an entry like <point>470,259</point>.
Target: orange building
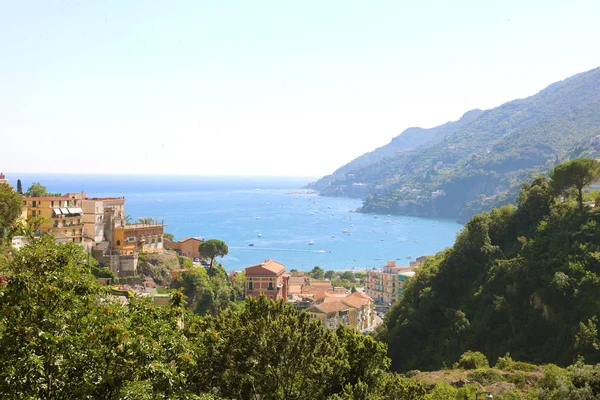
<point>145,238</point>
<point>268,278</point>
<point>188,246</point>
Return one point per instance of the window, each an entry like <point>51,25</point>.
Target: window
<point>118,242</point>
<point>250,285</point>
<point>33,204</point>
<point>270,285</point>
<point>74,202</point>
<point>52,203</point>
<point>78,221</point>
<point>159,240</point>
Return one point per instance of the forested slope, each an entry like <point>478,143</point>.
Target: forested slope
<point>524,280</point>
<point>484,161</point>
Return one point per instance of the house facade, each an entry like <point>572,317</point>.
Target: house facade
<point>187,246</point>
<point>386,285</point>
<point>63,215</point>
<point>268,278</point>
<point>145,238</point>
<point>356,310</point>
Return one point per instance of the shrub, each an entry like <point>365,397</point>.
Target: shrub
<point>518,379</point>
<point>472,360</point>
<point>485,376</point>
<point>523,366</point>
<point>505,362</point>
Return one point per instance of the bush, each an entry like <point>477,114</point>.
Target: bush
<point>472,360</point>
<point>505,362</point>
<point>518,379</point>
<point>485,376</point>
<point>523,366</point>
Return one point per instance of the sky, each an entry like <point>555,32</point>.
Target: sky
<point>286,88</point>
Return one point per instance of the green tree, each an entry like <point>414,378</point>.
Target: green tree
<point>317,273</point>
<point>213,248</point>
<point>19,187</point>
<point>329,274</point>
<point>169,236</point>
<point>11,206</point>
<point>38,190</point>
<point>578,174</point>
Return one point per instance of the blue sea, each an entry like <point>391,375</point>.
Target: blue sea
<point>269,213</point>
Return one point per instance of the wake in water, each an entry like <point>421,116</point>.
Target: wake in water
<point>274,249</point>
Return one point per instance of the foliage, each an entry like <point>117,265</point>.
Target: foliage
<point>472,360</point>
<point>38,190</point>
<point>213,248</point>
<point>63,336</point>
<point>11,206</point>
<point>523,280</point>
<point>485,376</point>
<point>317,273</point>
<point>169,236</point>
<point>577,174</point>
<point>19,187</point>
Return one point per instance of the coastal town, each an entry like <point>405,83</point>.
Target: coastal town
<point>116,242</point>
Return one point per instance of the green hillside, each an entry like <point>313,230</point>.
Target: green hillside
<point>484,161</point>
<point>524,280</point>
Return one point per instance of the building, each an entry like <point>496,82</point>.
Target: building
<point>3,178</point>
<point>187,246</point>
<point>268,278</point>
<point>63,215</point>
<point>386,286</point>
<point>356,310</point>
<point>133,238</point>
<point>93,219</point>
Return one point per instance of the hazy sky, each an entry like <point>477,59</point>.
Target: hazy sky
<point>263,88</point>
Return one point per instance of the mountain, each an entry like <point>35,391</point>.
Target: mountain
<point>410,139</point>
<point>461,168</point>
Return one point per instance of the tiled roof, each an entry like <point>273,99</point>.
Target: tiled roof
<point>355,302</point>
<point>268,267</point>
<point>328,307</point>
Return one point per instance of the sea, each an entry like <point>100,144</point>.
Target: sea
<point>263,218</point>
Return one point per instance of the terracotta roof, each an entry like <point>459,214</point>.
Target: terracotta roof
<point>132,227</point>
<point>329,307</point>
<point>355,302</point>
<point>362,295</point>
<point>269,267</point>
<point>297,279</point>
<point>295,289</point>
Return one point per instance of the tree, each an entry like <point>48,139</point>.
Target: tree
<point>11,206</point>
<point>169,236</point>
<point>38,190</point>
<point>329,274</point>
<point>19,187</point>
<point>578,174</point>
<point>213,248</point>
<point>317,273</point>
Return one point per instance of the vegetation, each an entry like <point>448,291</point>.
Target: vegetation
<point>578,174</point>
<point>63,336</point>
<point>481,163</point>
<point>38,190</point>
<point>11,206</point>
<point>19,187</point>
<point>523,280</point>
<point>213,248</point>
<point>169,236</point>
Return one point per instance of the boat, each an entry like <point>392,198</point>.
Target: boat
<point>409,257</point>
<point>311,242</point>
<point>251,244</point>
<point>333,236</point>
<point>345,230</point>
<point>256,218</point>
<point>351,225</point>
<point>260,235</point>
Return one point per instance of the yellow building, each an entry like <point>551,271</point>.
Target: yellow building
<point>145,238</point>
<point>386,286</point>
<point>63,215</point>
<point>356,310</point>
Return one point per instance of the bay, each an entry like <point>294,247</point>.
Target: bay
<point>265,218</point>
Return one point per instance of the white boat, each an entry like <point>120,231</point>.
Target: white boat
<point>260,235</point>
<point>333,236</point>
<point>311,242</point>
<point>257,218</point>
<point>345,230</point>
<point>351,225</point>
